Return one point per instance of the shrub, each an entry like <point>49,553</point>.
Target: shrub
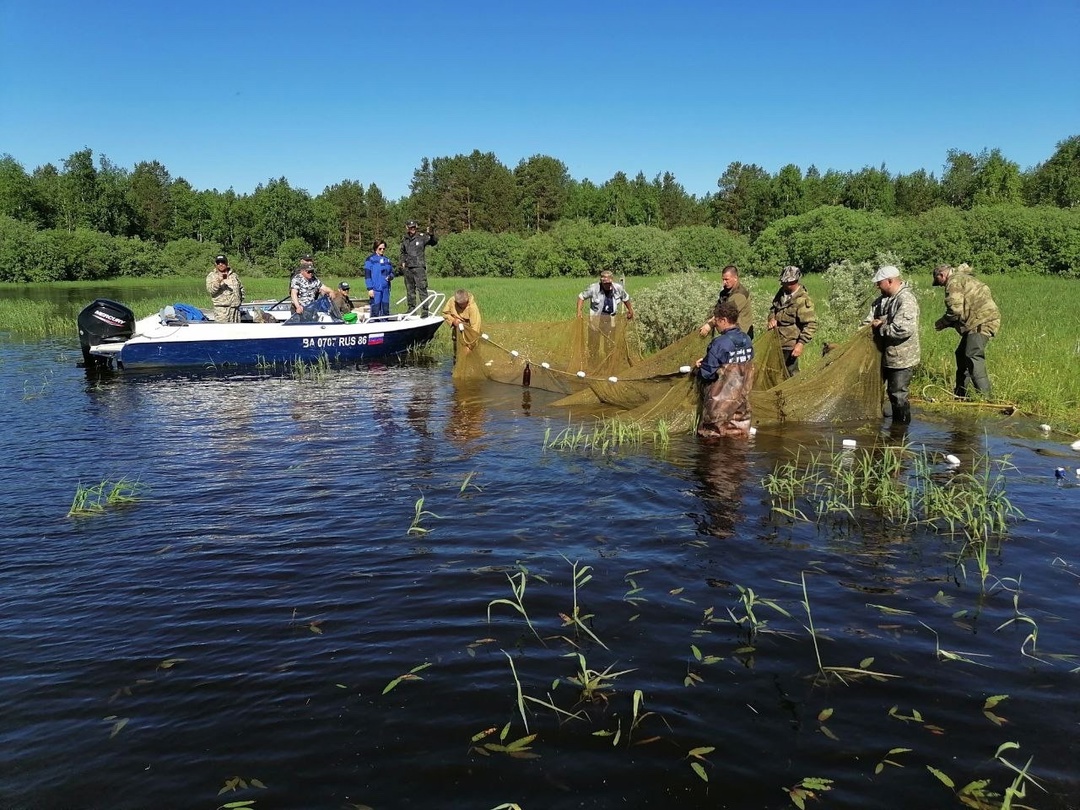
<point>673,308</point>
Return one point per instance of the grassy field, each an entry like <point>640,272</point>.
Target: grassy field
<point>1034,363</point>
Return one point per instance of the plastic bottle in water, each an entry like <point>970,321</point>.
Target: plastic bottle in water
<point>526,375</point>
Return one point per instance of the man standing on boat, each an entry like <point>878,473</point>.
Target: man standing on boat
<point>226,291</point>
<point>305,287</point>
<point>414,264</point>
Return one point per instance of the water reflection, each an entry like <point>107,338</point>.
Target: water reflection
<point>723,466</point>
<point>465,425</point>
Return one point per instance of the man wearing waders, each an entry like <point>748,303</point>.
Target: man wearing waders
<point>414,264</point>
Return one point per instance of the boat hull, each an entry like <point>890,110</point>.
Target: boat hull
<point>157,345</point>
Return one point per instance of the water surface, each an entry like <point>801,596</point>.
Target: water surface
<point>245,617</point>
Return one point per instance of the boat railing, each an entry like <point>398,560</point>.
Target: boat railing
<point>432,304</point>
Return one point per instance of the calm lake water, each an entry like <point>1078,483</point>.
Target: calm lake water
<point>245,618</point>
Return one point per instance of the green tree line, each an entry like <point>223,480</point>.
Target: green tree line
<point>92,220</point>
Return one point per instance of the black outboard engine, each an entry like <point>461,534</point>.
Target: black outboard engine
<point>104,321</point>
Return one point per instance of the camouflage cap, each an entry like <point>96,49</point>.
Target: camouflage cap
<point>790,274</point>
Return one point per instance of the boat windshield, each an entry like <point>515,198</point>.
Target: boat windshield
<point>321,310</point>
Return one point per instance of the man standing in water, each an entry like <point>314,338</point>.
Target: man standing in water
<point>414,264</point>
<point>728,370</point>
<point>971,311</point>
<point>226,291</point>
<point>894,319</point>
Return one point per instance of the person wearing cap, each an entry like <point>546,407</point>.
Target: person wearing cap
<point>226,291</point>
<point>793,317</point>
<point>305,261</point>
<point>894,320</point>
<point>604,297</point>
<point>305,286</point>
<point>733,290</point>
<point>463,314</point>
<point>971,311</point>
<point>378,273</point>
<point>728,369</point>
<point>341,298</point>
<point>414,264</point>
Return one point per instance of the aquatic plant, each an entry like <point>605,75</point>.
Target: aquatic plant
<point>576,618</point>
<point>408,676</point>
<point>92,500</point>
<point>239,783</point>
<point>978,793</point>
<point>807,788</point>
<point>840,673</point>
<point>518,582</point>
<point>608,434</point>
<point>468,484</point>
<point>310,370</point>
<point>517,749</point>
<point>419,514</point>
<point>596,686</point>
<point>897,485</point>
<point>749,601</point>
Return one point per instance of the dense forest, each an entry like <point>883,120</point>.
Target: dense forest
<point>93,220</point>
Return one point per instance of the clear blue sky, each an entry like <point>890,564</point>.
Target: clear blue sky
<point>232,93</point>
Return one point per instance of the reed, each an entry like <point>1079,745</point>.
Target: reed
<point>896,486</point>
<point>93,500</point>
<point>607,434</point>
<point>419,515</point>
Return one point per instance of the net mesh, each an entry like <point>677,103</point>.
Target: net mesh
<point>598,368</point>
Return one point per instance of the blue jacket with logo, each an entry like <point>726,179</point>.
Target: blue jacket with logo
<point>378,272</point>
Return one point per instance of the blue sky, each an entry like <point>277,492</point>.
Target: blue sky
<point>231,94</point>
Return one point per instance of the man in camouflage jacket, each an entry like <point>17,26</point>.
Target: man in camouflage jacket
<point>894,319</point>
<point>971,311</point>
<point>792,315</point>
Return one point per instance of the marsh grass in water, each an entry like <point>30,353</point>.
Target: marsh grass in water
<point>607,435</point>
<point>894,485</point>
<point>93,500</point>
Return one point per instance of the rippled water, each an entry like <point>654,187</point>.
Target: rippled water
<point>246,616</point>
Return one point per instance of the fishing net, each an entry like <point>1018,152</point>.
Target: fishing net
<point>598,368</point>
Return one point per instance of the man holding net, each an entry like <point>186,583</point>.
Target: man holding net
<point>728,370</point>
<point>894,319</point>
<point>793,317</point>
<point>604,298</point>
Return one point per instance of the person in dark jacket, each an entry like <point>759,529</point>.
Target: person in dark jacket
<point>414,264</point>
<point>728,370</point>
<point>378,273</point>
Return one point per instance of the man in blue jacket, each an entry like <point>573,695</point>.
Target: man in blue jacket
<point>728,370</point>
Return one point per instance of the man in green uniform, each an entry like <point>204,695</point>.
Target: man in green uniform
<point>971,311</point>
<point>792,315</point>
<point>736,292</point>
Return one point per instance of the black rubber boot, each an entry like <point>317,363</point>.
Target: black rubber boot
<point>902,414</point>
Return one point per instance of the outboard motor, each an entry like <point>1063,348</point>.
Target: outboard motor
<point>103,321</point>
